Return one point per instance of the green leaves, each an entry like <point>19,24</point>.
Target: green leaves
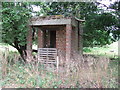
<point>15,21</point>
<point>98,25</point>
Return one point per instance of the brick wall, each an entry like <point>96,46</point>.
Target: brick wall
<point>61,44</point>
<point>66,42</point>
<point>29,45</point>
<point>40,38</point>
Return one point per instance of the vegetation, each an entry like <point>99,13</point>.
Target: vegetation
<point>98,24</point>
<point>92,72</point>
<point>110,51</point>
<point>97,68</point>
<point>100,27</point>
<point>15,18</point>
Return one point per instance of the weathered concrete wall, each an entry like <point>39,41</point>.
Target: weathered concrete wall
<point>74,40</point>
<point>80,39</point>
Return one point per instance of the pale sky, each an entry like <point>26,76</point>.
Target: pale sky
<point>107,2</point>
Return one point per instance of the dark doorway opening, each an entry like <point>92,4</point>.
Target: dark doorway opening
<point>52,39</point>
<point>49,39</point>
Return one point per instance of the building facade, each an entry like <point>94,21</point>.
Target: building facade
<point>59,32</point>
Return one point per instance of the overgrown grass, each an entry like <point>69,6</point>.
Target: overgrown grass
<point>83,72</point>
<point>110,51</point>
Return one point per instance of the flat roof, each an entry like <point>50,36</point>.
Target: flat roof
<point>53,20</point>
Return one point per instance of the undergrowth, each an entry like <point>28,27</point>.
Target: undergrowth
<point>81,72</point>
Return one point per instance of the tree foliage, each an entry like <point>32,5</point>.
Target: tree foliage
<point>98,25</point>
<point>100,28</point>
<point>15,19</point>
<point>115,7</point>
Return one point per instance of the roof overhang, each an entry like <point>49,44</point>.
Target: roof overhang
<point>50,22</point>
<point>54,20</point>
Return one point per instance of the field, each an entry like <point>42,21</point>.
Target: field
<point>108,50</point>
<point>98,68</point>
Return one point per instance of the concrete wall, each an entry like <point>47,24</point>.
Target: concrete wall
<point>74,40</point>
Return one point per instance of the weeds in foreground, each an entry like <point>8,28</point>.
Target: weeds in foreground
<point>81,72</point>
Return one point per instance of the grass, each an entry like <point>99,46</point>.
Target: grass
<point>110,51</point>
<point>89,71</point>
<point>89,74</point>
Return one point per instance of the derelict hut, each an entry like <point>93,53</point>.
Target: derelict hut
<point>57,36</point>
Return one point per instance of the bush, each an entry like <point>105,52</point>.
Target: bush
<point>86,49</point>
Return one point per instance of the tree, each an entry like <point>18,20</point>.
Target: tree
<point>115,7</point>
<point>15,19</point>
<point>98,25</point>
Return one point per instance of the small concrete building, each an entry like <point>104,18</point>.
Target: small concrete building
<point>58,36</point>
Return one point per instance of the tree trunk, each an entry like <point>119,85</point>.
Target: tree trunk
<point>22,53</point>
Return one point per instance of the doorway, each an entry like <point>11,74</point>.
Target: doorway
<point>49,39</point>
<point>52,39</point>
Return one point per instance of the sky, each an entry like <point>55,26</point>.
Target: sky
<point>107,2</point>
